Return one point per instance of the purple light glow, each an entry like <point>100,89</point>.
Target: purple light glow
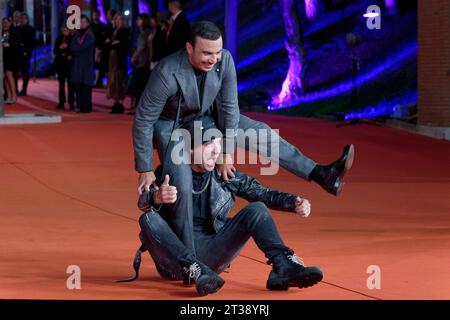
<point>266,51</point>
<point>102,12</point>
<point>344,87</point>
<point>310,8</point>
<point>385,107</point>
<point>390,4</point>
<point>292,85</point>
<point>143,7</point>
<point>246,33</point>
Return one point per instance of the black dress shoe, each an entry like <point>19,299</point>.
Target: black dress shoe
<point>60,106</point>
<point>331,177</point>
<point>117,108</point>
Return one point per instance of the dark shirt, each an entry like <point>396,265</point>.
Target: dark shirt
<point>27,40</point>
<point>100,32</point>
<point>202,213</point>
<point>200,76</point>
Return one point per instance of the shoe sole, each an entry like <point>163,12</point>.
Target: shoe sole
<point>339,184</point>
<point>209,286</point>
<point>304,280</point>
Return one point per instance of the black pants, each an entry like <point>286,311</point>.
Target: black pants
<point>140,79</point>
<point>84,97</point>
<point>63,77</point>
<point>25,69</point>
<point>215,250</point>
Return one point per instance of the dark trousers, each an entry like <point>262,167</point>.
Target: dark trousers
<point>215,250</point>
<point>26,73</point>
<point>63,77</point>
<point>140,79</point>
<point>25,69</point>
<point>84,97</point>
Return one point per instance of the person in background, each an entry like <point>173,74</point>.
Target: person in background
<point>117,88</point>
<point>82,74</point>
<point>15,26</point>
<point>159,24</point>
<point>63,65</point>
<point>142,56</point>
<point>106,48</point>
<point>179,28</point>
<point>10,43</point>
<point>16,19</point>
<point>99,30</point>
<point>27,36</point>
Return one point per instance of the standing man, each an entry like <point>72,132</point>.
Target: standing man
<point>15,27</point>
<point>27,43</point>
<point>99,30</point>
<point>179,28</point>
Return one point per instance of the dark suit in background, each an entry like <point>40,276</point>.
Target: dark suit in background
<point>27,38</point>
<point>178,34</point>
<point>63,65</point>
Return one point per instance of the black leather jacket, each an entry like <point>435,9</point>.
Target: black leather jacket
<point>222,196</point>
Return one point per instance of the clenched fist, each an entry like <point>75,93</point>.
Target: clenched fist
<point>302,207</point>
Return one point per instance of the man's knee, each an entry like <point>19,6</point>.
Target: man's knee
<point>151,221</point>
<point>258,209</point>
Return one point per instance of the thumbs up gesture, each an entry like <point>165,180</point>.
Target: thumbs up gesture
<point>165,193</point>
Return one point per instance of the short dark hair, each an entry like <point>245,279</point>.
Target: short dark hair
<point>206,30</point>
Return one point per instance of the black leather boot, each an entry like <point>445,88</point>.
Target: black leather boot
<point>331,177</point>
<point>288,270</point>
<point>206,280</point>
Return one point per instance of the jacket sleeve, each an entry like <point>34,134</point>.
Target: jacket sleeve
<point>150,106</point>
<point>250,189</point>
<point>145,202</point>
<point>229,105</point>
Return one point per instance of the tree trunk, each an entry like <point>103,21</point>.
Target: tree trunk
<point>292,87</point>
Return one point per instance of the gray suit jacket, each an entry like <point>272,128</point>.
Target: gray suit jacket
<point>172,77</point>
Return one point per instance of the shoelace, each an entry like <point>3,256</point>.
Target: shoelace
<point>296,259</point>
<point>194,271</point>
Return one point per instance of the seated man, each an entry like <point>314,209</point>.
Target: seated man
<point>218,238</point>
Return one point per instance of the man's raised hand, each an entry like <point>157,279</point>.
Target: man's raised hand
<point>165,193</point>
<point>226,167</point>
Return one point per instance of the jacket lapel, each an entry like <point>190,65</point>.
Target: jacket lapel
<point>188,84</point>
